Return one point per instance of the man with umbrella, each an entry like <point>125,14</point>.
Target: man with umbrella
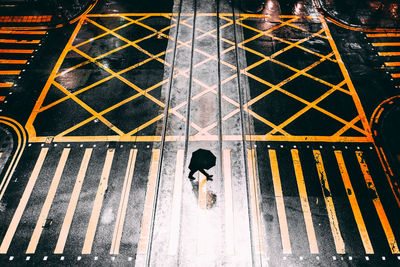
<point>201,159</point>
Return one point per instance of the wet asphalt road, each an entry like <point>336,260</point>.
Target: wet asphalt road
<point>284,102</point>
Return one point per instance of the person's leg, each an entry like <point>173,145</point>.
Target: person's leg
<point>191,174</point>
<point>206,174</point>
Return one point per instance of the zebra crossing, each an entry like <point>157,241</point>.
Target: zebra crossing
<point>97,200</point>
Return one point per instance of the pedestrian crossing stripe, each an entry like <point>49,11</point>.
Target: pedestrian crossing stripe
<point>258,226</point>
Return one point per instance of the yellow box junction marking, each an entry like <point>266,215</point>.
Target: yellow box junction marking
<point>139,19</point>
<point>47,203</point>
<point>5,244</point>
<point>337,236</point>
<point>280,204</point>
<point>378,204</point>
<point>73,202</point>
<point>98,203</point>
<point>354,204</point>
<point>312,240</point>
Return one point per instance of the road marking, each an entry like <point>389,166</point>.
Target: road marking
<point>378,204</point>
<point>37,232</point>
<point>392,64</point>
<point>98,202</point>
<point>280,204</point>
<point>16,51</point>
<point>22,32</point>
<point>304,202</point>
<point>337,237</point>
<point>386,44</point>
<point>11,41</point>
<point>354,204</point>
<point>10,72</point>
<point>73,203</point>
<point>389,53</point>
<point>12,61</point>
<point>395,75</point>
<point>148,205</point>
<point>376,35</point>
<point>6,85</point>
<point>229,213</point>
<point>123,204</point>
<point>176,205</point>
<point>5,244</point>
<point>255,204</point>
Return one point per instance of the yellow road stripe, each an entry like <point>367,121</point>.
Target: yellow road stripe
<point>383,35</point>
<point>5,244</point>
<point>389,53</point>
<point>123,204</point>
<point>37,232</point>
<point>22,32</point>
<point>73,203</point>
<point>280,204</point>
<point>378,204</point>
<point>386,44</point>
<point>10,72</point>
<point>12,61</point>
<point>11,41</point>
<point>255,204</point>
<point>312,240</point>
<point>392,64</point>
<point>148,205</point>
<point>229,213</point>
<point>395,75</point>
<point>16,51</point>
<point>98,202</point>
<point>354,204</point>
<point>337,237</point>
<point>5,85</point>
<point>176,205</point>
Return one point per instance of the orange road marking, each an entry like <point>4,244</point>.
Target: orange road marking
<point>123,204</point>
<point>354,204</point>
<point>2,98</point>
<point>98,202</point>
<point>229,212</point>
<point>386,44</point>
<point>16,51</point>
<point>37,232</point>
<point>21,32</point>
<point>280,204</point>
<point>10,72</point>
<point>202,191</point>
<point>148,205</point>
<point>392,64</point>
<point>378,204</point>
<point>395,75</point>
<point>330,208</point>
<point>257,232</point>
<point>389,53</point>
<point>383,35</point>
<point>12,61</point>
<point>4,85</point>
<point>304,202</point>
<point>5,244</point>
<point>173,244</point>
<point>73,203</point>
<point>11,41</point>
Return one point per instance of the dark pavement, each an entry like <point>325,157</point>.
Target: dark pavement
<point>99,119</point>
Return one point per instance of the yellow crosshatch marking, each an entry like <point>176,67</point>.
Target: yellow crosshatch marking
<point>278,132</point>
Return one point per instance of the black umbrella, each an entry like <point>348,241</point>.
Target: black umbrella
<point>202,159</point>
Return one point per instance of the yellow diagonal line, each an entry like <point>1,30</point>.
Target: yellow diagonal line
<point>262,119</point>
<point>141,127</point>
<point>347,126</point>
<point>89,109</point>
